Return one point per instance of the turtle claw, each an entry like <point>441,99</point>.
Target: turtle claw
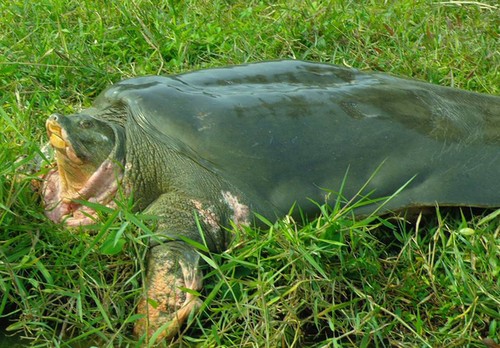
<point>172,272</point>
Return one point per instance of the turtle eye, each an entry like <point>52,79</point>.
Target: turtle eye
<point>85,124</point>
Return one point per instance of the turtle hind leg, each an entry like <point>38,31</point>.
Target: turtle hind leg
<point>172,268</point>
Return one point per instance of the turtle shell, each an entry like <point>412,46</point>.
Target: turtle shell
<point>290,132</point>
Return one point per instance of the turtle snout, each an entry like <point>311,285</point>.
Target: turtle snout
<point>54,117</point>
<point>53,121</point>
<point>54,131</point>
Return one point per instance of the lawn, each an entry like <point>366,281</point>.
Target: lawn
<point>337,281</point>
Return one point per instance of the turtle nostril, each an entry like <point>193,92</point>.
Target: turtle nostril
<point>54,117</point>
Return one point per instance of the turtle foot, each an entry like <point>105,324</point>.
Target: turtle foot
<point>172,272</point>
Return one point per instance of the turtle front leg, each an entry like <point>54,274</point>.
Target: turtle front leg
<point>172,268</point>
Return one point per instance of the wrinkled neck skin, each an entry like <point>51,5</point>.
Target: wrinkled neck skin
<point>64,188</point>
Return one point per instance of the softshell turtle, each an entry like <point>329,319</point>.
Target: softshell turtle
<point>224,143</point>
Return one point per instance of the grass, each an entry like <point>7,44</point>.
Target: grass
<point>335,281</point>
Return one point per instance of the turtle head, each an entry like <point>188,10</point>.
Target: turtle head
<point>81,143</point>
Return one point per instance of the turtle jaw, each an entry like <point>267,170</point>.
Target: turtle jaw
<point>54,131</point>
<point>71,179</point>
<point>58,139</point>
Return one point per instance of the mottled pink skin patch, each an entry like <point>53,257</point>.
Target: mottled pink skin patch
<point>60,206</point>
<point>241,212</point>
<point>207,215</point>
